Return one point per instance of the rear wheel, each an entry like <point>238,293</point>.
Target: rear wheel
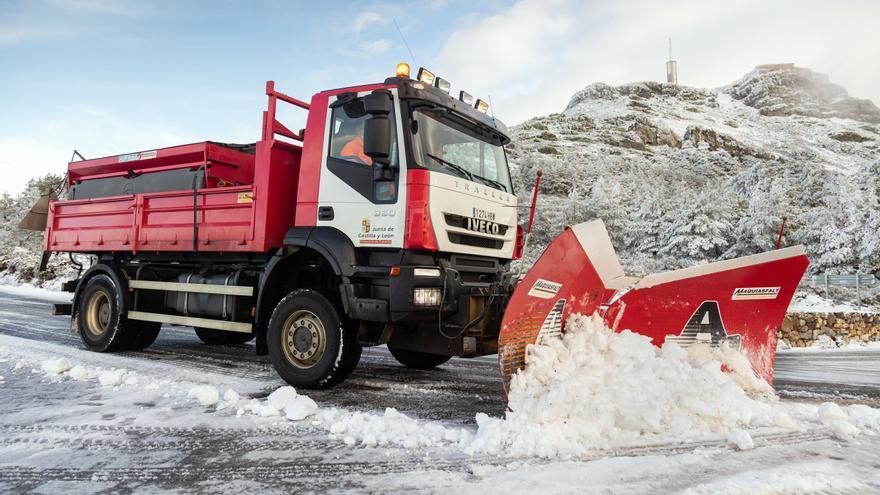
<point>309,344</point>
<point>101,327</point>
<point>220,337</point>
<point>418,360</point>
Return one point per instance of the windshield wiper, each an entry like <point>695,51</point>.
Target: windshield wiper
<point>458,168</point>
<point>492,182</point>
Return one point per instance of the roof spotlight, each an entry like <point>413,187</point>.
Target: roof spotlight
<point>466,98</point>
<point>442,84</point>
<point>481,106</point>
<point>425,76</point>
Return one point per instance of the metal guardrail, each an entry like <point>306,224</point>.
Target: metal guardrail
<point>855,280</point>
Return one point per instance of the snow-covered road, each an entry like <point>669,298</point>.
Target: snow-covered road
<point>144,432</point>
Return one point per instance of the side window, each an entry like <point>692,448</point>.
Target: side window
<point>347,133</point>
<point>346,158</point>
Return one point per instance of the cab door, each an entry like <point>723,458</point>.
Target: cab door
<point>370,212</point>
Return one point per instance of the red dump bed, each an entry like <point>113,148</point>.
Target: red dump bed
<point>239,202</point>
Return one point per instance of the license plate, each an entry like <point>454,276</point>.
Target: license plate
<point>484,214</point>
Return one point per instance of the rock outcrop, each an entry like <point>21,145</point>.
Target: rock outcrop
<point>783,90</point>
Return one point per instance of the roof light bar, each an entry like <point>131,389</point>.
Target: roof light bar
<point>466,98</point>
<point>402,70</point>
<point>426,76</point>
<point>442,84</point>
<point>481,106</point>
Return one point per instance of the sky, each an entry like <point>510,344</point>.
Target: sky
<point>114,76</point>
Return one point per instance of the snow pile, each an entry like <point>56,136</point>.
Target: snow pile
<point>815,303</point>
<point>283,401</point>
<point>824,342</point>
<point>390,428</point>
<point>207,395</point>
<point>63,368</point>
<point>12,288</point>
<point>231,396</point>
<point>596,389</point>
<point>832,416</point>
<point>116,377</point>
<point>82,373</point>
<point>741,439</point>
<point>295,407</point>
<point>55,366</point>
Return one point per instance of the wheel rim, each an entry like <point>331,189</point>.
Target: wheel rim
<point>303,339</point>
<point>98,313</point>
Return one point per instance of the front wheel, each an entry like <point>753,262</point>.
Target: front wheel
<point>309,344</point>
<point>418,360</point>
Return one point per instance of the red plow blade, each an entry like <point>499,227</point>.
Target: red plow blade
<point>741,301</point>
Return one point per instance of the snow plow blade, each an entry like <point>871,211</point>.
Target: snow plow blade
<point>740,301</point>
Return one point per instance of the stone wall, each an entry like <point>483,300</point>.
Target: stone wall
<point>802,329</point>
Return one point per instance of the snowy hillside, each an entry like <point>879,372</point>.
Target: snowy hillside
<point>20,250</point>
<point>683,175</point>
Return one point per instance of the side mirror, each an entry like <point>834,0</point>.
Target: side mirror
<point>377,129</point>
<point>378,103</point>
<point>377,139</point>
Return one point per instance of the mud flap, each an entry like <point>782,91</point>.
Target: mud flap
<point>741,301</point>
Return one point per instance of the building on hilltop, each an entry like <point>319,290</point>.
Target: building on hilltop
<point>671,68</point>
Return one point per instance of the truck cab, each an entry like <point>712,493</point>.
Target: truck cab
<point>417,180</point>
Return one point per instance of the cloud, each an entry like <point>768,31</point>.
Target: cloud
<point>367,18</point>
<point>94,130</point>
<point>39,21</point>
<point>113,7</point>
<point>24,158</point>
<point>15,34</point>
<point>533,55</point>
<point>368,48</point>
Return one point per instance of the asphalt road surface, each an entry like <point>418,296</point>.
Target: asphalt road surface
<point>66,436</point>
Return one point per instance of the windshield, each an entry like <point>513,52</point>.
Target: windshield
<point>442,147</point>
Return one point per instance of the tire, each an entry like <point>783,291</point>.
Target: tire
<point>236,338</point>
<point>310,344</point>
<point>418,360</point>
<point>210,336</point>
<point>101,327</point>
<point>142,335</point>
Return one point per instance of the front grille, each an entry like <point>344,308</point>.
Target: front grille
<point>462,261</point>
<point>472,240</point>
<point>462,222</point>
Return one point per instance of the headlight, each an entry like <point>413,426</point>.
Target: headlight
<point>426,272</point>
<point>425,76</point>
<point>442,84</point>
<point>426,296</point>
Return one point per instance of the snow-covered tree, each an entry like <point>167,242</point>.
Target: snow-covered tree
<point>703,230</point>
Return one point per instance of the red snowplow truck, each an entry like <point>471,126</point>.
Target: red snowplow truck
<point>390,219</point>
